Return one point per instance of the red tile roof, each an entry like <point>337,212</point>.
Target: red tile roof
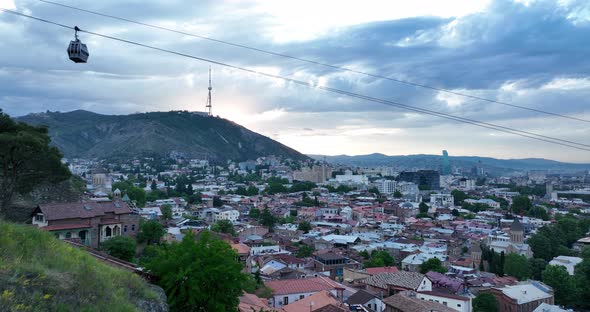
<point>315,301</point>
<point>82,210</point>
<point>65,227</point>
<point>304,285</point>
<point>378,270</point>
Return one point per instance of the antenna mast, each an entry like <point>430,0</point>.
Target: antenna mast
<point>209,96</point>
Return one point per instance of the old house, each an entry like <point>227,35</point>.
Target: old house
<point>90,223</point>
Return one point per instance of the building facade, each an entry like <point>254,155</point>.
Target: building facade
<point>89,223</point>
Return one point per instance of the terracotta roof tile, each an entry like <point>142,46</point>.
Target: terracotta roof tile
<point>60,211</point>
<point>319,299</point>
<point>378,270</point>
<point>295,286</point>
<point>405,303</point>
<point>403,279</point>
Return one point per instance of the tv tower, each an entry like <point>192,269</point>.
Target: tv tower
<point>209,96</point>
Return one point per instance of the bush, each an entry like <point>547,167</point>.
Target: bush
<point>122,247</point>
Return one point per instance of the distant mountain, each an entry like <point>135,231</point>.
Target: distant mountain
<point>434,161</point>
<point>89,135</point>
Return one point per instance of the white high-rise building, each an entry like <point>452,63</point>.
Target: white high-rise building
<point>387,186</point>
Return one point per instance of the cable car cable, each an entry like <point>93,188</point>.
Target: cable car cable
<point>491,126</point>
<point>341,68</point>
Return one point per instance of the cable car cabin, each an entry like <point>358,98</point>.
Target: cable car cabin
<point>78,51</point>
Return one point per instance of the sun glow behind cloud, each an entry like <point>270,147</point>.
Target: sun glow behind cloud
<point>309,19</point>
<point>7,4</point>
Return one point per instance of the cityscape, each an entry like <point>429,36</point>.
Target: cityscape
<point>302,201</point>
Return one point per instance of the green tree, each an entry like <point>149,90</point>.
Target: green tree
<point>365,254</point>
<point>304,226</point>
<point>302,186</point>
<point>541,246</point>
<point>252,191</point>
<point>397,194</point>
<point>379,258</point>
<point>217,202</point>
<point>166,210</point>
<point>563,285</point>
<point>485,302</point>
<point>423,208</point>
<point>242,191</point>
<point>199,274</point>
<point>455,212</point>
<point>374,190</point>
<point>538,212</point>
<point>267,219</point>
<point>536,267</point>
<point>224,226</point>
<point>275,188</point>
<point>254,213</point>
<point>150,232</point>
<point>154,186</point>
<point>517,266</point>
<point>304,251</point>
<point>135,193</point>
<point>122,247</point>
<point>26,160</point>
<point>521,204</point>
<point>458,196</point>
<point>582,280</point>
<point>432,265</point>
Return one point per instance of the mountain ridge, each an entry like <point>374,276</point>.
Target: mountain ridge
<point>86,134</point>
<point>433,161</point>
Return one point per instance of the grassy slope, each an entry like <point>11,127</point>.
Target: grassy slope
<point>40,273</point>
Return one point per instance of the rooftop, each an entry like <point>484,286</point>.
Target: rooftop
<point>297,286</point>
<point>404,279</point>
<point>404,302</point>
<point>526,292</point>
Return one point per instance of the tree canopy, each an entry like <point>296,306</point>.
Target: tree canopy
<point>122,247</point>
<point>135,193</point>
<point>166,210</point>
<point>224,226</point>
<point>150,232</point>
<point>485,302</point>
<point>517,266</point>
<point>199,274</point>
<point>379,258</point>
<point>304,226</point>
<point>26,159</point>
<point>563,285</point>
<point>432,265</point>
<point>267,219</point>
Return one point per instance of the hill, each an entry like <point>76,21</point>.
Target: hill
<point>434,161</point>
<point>40,273</point>
<point>85,134</point>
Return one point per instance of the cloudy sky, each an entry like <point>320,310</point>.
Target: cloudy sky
<point>529,53</point>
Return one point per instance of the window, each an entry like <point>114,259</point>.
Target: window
<point>458,305</point>
<point>301,296</point>
<point>125,228</point>
<point>285,300</point>
<point>68,234</point>
<point>444,302</point>
<point>39,217</point>
<point>132,227</point>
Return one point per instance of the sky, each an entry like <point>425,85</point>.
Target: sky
<point>528,53</point>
